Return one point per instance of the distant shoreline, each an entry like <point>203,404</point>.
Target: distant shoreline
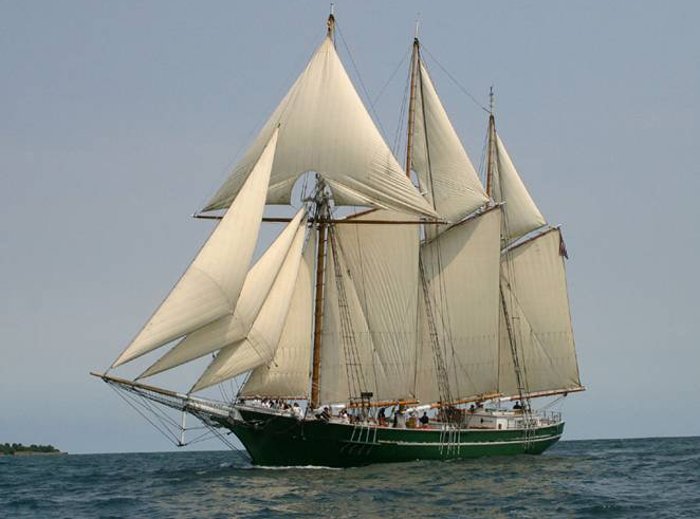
<point>18,449</point>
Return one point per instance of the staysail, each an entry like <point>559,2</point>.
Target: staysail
<point>260,343</point>
<point>288,372</point>
<point>324,127</point>
<point>211,285</point>
<point>233,327</point>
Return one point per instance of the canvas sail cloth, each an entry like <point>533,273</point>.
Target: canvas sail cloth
<point>233,328</point>
<point>260,343</point>
<point>324,127</point>
<point>445,173</point>
<point>348,362</point>
<point>382,263</point>
<point>520,214</point>
<point>534,290</point>
<point>289,371</point>
<point>210,287</point>
<point>461,267</point>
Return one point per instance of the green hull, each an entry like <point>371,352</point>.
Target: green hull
<point>276,440</point>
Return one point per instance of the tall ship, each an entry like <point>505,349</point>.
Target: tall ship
<point>402,313</point>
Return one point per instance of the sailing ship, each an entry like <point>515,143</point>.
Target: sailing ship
<point>424,326</point>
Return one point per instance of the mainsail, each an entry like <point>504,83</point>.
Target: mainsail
<point>537,352</point>
<point>461,268</point>
<point>533,280</point>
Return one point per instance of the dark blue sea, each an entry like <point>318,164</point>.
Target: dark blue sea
<point>605,478</point>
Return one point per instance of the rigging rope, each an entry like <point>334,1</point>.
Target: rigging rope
<point>456,82</point>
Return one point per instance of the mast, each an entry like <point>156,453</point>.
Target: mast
<point>510,320</point>
<point>415,61</point>
<point>491,151</point>
<point>321,217</point>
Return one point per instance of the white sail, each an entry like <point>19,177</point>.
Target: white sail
<point>383,264</point>
<point>211,285</point>
<point>260,344</point>
<point>288,372</point>
<point>348,365</point>
<point>534,284</point>
<point>233,328</point>
<point>324,127</point>
<point>520,214</point>
<point>444,170</point>
<point>462,270</point>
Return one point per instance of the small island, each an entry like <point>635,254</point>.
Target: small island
<point>13,449</point>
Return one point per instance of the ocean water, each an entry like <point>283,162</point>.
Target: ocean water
<point>654,478</point>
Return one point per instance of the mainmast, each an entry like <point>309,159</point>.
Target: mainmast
<point>321,217</point>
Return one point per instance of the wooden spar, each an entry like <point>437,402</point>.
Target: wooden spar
<point>540,394</point>
<point>384,403</point>
<point>514,245</point>
<point>482,397</point>
<point>318,306</point>
<point>131,383</point>
<point>348,220</point>
<point>491,155</point>
<point>415,60</point>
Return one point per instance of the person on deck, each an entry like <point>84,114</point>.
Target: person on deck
<point>399,419</point>
<point>424,420</point>
<point>381,417</point>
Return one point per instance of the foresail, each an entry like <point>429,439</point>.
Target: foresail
<point>324,127</point>
<point>288,372</point>
<point>347,354</point>
<point>534,289</point>
<point>211,285</point>
<point>233,327</point>
<point>462,271</point>
<point>520,214</point>
<point>445,173</point>
<point>260,344</point>
<point>383,264</point>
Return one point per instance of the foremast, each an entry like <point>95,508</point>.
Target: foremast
<point>321,218</point>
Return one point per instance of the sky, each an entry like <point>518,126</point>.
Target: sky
<point>119,119</point>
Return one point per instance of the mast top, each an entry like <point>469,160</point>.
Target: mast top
<point>491,100</point>
<point>415,36</point>
<point>331,23</point>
